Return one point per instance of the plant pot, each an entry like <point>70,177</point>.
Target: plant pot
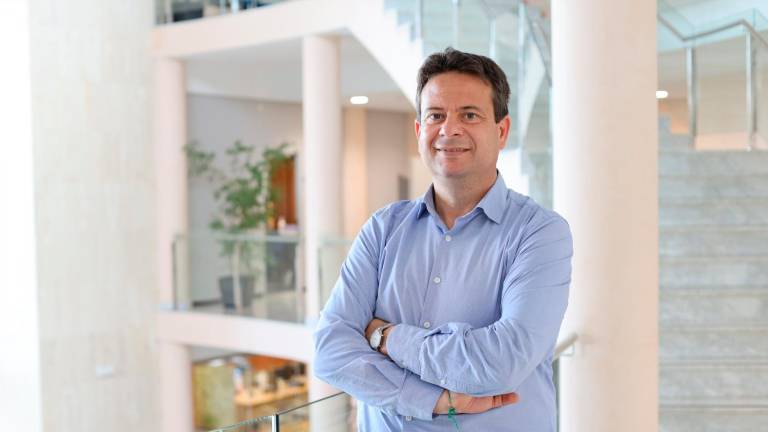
<point>226,288</point>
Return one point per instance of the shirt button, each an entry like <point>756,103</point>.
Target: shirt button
<point>427,324</point>
<point>448,238</point>
<point>436,279</point>
<point>408,418</point>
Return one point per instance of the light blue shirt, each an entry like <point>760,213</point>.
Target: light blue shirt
<point>477,307</point>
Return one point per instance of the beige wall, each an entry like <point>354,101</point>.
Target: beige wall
<point>388,156</point>
<point>94,221</point>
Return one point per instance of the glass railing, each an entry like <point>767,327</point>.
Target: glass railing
<point>331,256</point>
<point>335,413</point>
<point>516,36</point>
<point>170,11</point>
<point>715,73</point>
<point>252,275</point>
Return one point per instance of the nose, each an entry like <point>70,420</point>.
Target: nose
<point>451,126</point>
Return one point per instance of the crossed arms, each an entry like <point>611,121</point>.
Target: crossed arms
<point>420,363</point>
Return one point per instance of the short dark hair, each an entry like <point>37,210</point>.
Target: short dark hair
<point>452,60</point>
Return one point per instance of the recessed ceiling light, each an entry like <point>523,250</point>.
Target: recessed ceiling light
<point>661,94</point>
<point>358,100</point>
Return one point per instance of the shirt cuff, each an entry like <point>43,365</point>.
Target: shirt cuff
<point>418,398</point>
<point>403,346</point>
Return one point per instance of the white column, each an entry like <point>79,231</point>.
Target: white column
<point>322,154</point>
<point>170,136</point>
<point>20,397</point>
<point>605,184</point>
<point>175,388</point>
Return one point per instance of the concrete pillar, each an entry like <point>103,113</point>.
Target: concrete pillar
<point>176,412</point>
<point>170,136</point>
<point>20,377</point>
<point>605,184</point>
<point>322,155</point>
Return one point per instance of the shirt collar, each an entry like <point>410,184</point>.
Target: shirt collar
<point>493,203</point>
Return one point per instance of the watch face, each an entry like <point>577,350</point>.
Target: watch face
<point>376,338</point>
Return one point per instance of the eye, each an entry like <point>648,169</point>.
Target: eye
<point>432,117</point>
<point>471,116</point>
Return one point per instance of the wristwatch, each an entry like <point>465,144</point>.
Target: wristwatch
<point>377,336</point>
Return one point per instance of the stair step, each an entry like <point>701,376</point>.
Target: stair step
<point>674,142</point>
<point>725,211</point>
<point>729,306</point>
<point>702,163</point>
<point>736,384</point>
<point>714,187</point>
<point>708,271</point>
<point>699,240</point>
<point>712,342</point>
<point>712,418</point>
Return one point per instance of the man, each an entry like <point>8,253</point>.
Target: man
<point>460,292</point>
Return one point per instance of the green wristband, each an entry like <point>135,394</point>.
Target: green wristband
<point>452,411</point>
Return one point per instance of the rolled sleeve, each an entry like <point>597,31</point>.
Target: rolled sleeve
<point>418,398</point>
<point>403,345</point>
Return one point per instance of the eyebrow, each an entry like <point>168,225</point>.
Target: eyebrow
<point>463,108</point>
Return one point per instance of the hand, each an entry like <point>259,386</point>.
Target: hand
<point>466,404</point>
<point>373,325</point>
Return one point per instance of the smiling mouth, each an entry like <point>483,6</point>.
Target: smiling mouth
<point>452,150</point>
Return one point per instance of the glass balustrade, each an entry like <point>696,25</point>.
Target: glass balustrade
<point>251,275</point>
<point>516,36</point>
<point>170,11</point>
<point>331,256</point>
<point>335,413</point>
<point>718,67</point>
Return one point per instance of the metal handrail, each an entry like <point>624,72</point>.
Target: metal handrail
<point>742,22</point>
<point>565,344</point>
<point>691,75</point>
<point>540,40</point>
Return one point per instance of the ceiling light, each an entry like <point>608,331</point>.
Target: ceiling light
<point>359,100</point>
<point>661,94</point>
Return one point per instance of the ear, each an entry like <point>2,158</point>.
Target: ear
<point>416,127</point>
<point>503,128</point>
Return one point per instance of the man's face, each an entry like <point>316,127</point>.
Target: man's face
<point>458,136</point>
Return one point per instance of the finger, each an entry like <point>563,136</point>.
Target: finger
<point>509,398</point>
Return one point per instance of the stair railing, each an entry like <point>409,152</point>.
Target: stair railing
<point>753,37</point>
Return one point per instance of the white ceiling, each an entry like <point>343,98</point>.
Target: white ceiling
<point>273,72</point>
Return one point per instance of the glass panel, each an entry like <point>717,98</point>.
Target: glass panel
<point>474,27</point>
<point>672,69</point>
<point>538,150</point>
<point>259,424</point>
<point>332,254</point>
<point>183,10</point>
<point>672,26</point>
<point>761,81</point>
<point>266,286</point>
<point>722,96</point>
<point>674,18</point>
<point>336,413</point>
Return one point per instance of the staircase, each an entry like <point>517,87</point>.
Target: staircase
<point>713,240</point>
<point>474,20</point>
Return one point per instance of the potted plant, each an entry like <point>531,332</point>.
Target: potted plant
<point>245,203</point>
